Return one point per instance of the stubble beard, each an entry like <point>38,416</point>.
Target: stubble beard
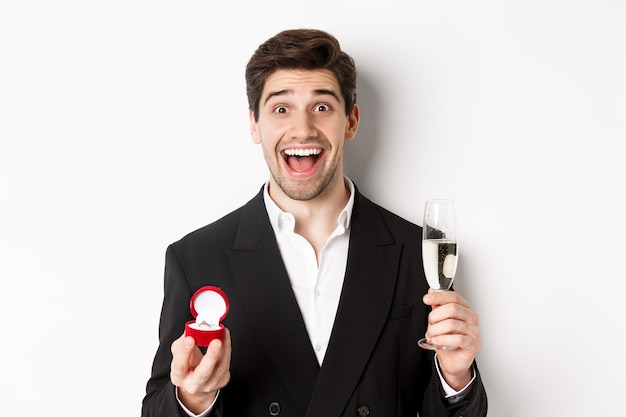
<point>302,190</point>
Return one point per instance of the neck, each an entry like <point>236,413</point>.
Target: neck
<point>317,218</point>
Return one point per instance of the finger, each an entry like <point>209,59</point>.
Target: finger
<point>435,298</point>
<point>182,352</point>
<point>453,341</point>
<point>452,326</point>
<point>452,311</point>
<point>214,369</point>
<point>452,318</point>
<point>222,370</point>
<point>464,347</point>
<point>467,347</point>
<point>227,347</point>
<point>454,332</point>
<point>218,351</point>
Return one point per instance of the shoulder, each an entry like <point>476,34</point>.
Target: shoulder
<point>223,230</point>
<point>370,213</point>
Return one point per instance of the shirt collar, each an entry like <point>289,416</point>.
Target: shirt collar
<point>280,219</point>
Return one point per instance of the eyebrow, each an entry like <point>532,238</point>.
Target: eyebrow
<point>318,92</point>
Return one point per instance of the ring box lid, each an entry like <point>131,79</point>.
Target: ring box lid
<point>209,305</point>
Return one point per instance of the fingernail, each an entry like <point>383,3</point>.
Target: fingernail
<point>216,345</point>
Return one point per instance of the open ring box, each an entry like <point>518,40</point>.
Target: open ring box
<point>209,305</point>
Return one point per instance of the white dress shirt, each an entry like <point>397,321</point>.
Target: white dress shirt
<point>317,287</point>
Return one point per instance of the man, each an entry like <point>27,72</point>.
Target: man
<point>327,293</point>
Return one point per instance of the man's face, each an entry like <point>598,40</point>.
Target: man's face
<point>302,127</point>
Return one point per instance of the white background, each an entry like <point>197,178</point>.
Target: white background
<point>123,126</point>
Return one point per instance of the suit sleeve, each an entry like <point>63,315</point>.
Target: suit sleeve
<point>160,399</point>
<point>474,405</point>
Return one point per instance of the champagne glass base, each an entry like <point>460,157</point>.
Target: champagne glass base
<point>425,344</point>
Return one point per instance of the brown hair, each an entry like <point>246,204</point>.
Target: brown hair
<point>306,49</point>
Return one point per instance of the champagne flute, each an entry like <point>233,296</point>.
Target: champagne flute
<point>439,251</point>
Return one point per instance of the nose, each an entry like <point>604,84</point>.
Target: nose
<point>302,126</point>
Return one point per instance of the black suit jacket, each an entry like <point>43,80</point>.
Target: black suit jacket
<point>372,367</point>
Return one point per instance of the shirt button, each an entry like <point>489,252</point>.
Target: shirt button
<point>363,411</point>
<point>318,347</point>
<point>274,409</point>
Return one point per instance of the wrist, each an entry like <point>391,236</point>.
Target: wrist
<point>457,381</point>
<point>196,403</point>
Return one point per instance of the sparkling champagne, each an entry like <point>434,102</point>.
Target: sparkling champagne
<point>440,261</point>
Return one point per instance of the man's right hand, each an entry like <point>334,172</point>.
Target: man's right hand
<point>199,377</point>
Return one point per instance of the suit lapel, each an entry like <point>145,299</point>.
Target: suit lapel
<point>365,303</point>
<point>273,310</point>
<point>274,313</point>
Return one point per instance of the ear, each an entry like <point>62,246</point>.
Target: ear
<point>254,129</point>
<point>353,123</point>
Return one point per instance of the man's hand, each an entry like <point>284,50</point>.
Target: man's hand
<point>199,377</point>
<point>452,322</point>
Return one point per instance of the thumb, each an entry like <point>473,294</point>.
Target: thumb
<point>189,343</point>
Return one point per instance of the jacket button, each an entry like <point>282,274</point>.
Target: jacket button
<point>274,409</point>
<point>363,411</point>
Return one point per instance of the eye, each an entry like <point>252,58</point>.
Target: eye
<point>280,109</point>
<point>322,107</point>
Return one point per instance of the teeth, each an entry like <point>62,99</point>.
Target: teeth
<point>302,152</point>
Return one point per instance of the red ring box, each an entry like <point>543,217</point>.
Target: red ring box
<point>209,305</point>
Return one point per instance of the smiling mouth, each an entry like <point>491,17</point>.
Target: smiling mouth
<point>301,160</point>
